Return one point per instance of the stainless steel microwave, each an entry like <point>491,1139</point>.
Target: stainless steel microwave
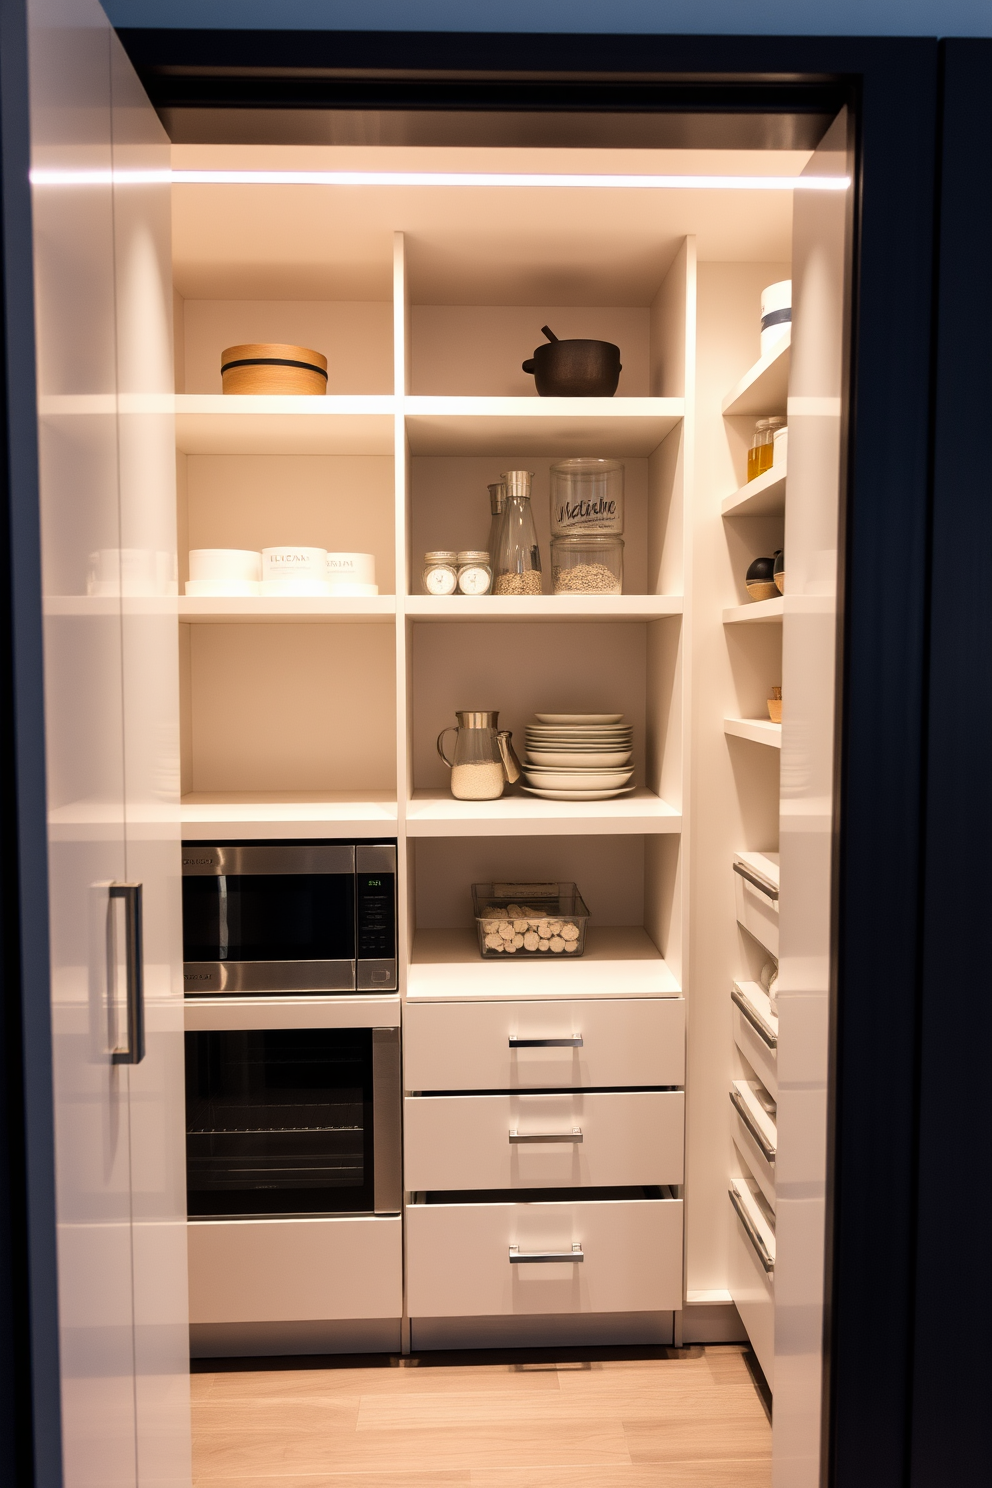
<point>289,917</point>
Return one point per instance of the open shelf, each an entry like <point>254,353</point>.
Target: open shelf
<point>287,611</point>
<point>287,814</point>
<point>543,607</point>
<point>762,497</point>
<point>758,612</point>
<point>212,424</point>
<point>619,961</point>
<point>764,388</point>
<point>540,426</point>
<point>437,814</point>
<point>758,730</point>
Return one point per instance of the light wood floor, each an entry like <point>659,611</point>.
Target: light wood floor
<point>692,1419</point>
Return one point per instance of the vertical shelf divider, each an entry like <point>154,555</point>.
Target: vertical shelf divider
<point>404,631</point>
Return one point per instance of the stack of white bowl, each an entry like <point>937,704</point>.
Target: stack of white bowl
<point>579,756</point>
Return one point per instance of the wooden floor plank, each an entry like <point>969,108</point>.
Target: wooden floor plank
<point>332,1383</point>
<point>675,1475</point>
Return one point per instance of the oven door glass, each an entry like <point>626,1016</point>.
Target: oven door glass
<point>269,917</point>
<point>279,1121</point>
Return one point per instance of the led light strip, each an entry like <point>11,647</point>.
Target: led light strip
<point>43,177</point>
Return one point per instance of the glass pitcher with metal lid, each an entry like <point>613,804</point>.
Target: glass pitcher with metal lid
<point>483,760</point>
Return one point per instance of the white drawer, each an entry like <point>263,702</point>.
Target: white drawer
<point>467,1046</point>
<point>752,1287</point>
<point>459,1258</point>
<point>756,1032</point>
<point>280,1270</point>
<point>756,887</point>
<point>755,1135</point>
<point>487,1141</point>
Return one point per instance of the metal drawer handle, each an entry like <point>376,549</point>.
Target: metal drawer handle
<point>575,1135</point>
<point>550,1043</point>
<point>755,878</point>
<point>757,1022</point>
<point>518,1256</point>
<point>764,1147</point>
<point>134,1051</point>
<point>758,1245</point>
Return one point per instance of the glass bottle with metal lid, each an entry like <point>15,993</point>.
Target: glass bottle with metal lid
<point>497,505</point>
<point>517,559</point>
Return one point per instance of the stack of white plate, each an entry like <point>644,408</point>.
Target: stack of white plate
<point>578,756</point>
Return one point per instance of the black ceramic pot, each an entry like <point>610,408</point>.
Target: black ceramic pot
<point>574,369</point>
<point>780,572</point>
<point>760,579</point>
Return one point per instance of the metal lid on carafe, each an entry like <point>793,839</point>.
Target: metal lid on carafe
<point>518,482</point>
<point>478,720</point>
<point>497,497</point>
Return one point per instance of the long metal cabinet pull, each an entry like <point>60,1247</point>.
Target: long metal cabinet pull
<point>134,1052</point>
<point>767,888</point>
<point>387,1128</point>
<point>754,1130</point>
<point>548,1043</point>
<point>758,1245</point>
<point>575,1135</point>
<point>755,1019</point>
<point>518,1256</point>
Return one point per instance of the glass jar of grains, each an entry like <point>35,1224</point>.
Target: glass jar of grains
<point>587,565</point>
<point>440,572</point>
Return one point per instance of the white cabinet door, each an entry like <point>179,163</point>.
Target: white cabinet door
<point>149,661</point>
<point>76,354</point>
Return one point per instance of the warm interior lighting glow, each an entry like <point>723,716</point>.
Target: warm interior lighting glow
<point>44,177</point>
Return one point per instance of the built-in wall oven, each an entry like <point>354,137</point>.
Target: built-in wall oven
<point>264,917</point>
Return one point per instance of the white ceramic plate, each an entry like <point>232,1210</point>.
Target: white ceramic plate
<point>578,717</point>
<point>580,736</point>
<point>577,779</point>
<point>574,759</point>
<point>576,795</point>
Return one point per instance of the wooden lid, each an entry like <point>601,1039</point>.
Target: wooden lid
<point>272,353</point>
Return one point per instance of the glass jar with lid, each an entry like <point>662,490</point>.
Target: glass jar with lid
<point>590,564</point>
<point>517,559</point>
<point>474,573</point>
<point>586,496</point>
<point>440,574</point>
<point>762,451</point>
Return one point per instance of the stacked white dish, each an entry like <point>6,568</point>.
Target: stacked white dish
<point>579,756</point>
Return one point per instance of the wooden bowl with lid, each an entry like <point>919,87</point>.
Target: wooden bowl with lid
<point>273,367</point>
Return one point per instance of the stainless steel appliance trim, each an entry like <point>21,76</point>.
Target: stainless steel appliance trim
<point>575,1135</point>
<point>757,1244</point>
<point>755,1019</point>
<point>764,884</point>
<point>545,1043</point>
<point>387,1115</point>
<point>202,978</point>
<point>208,860</point>
<point>377,974</point>
<point>519,1257</point>
<point>754,1131</point>
<point>134,1052</point>
<point>375,858</point>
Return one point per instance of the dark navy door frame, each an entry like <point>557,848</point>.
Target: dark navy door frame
<point>911,1127</point>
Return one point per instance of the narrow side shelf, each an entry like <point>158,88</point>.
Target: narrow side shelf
<point>287,611</point>
<point>762,497</point>
<point>764,388</point>
<point>758,612</point>
<point>758,730</point>
<point>438,814</point>
<point>542,607</point>
<point>287,814</point>
<point>619,961</point>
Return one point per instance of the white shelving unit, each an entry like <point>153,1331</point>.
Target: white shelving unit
<point>764,388</point>
<point>757,612</point>
<point>762,497</point>
<point>757,730</point>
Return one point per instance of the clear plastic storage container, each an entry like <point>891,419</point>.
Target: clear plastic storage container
<point>587,565</point>
<point>529,920</point>
<point>586,496</point>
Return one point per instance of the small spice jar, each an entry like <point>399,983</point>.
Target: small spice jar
<point>587,565</point>
<point>440,572</point>
<point>475,576</point>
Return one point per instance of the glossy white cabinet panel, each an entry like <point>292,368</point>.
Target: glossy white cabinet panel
<point>757,907</point>
<point>280,1270</point>
<point>753,1291</point>
<point>488,1141</point>
<point>464,1046</point>
<point>458,1258</point>
<point>756,1033</point>
<point>149,659</point>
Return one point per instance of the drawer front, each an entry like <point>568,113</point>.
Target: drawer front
<point>762,1059</point>
<point>479,1141</point>
<point>753,1159</point>
<point>753,1291</point>
<point>466,1046</point>
<point>280,1270</point>
<point>458,1258</point>
<point>757,913</point>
